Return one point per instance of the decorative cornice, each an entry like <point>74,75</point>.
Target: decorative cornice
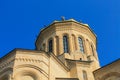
<point>58,23</point>
<point>13,52</point>
<point>27,60</point>
<point>8,55</point>
<point>79,61</point>
<point>30,60</point>
<point>6,63</point>
<point>8,59</point>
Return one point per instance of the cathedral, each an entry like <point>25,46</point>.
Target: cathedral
<point>65,50</point>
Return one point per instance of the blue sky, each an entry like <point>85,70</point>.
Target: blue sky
<point>21,21</point>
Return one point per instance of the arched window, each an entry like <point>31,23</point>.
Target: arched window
<point>65,44</point>
<point>50,45</point>
<point>81,44</point>
<point>85,75</point>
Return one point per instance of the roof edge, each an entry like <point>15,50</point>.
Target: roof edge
<point>108,64</point>
<point>70,20</point>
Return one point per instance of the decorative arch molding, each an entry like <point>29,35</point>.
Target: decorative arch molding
<point>73,34</point>
<point>26,73</point>
<point>110,74</point>
<point>33,67</point>
<point>51,38</point>
<point>65,34</point>
<point>82,37</point>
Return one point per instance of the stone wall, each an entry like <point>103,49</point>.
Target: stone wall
<point>108,72</point>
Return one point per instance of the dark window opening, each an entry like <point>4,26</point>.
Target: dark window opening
<point>50,46</point>
<point>65,44</point>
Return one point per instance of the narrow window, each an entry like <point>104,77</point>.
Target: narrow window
<point>50,46</point>
<point>81,45</point>
<point>85,75</point>
<point>65,44</point>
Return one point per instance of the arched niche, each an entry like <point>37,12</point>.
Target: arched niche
<point>27,72</point>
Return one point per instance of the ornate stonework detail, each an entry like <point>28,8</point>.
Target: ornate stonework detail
<point>28,60</point>
<point>30,69</point>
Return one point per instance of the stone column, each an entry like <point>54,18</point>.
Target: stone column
<point>77,44</point>
<point>70,43</point>
<point>54,46</point>
<point>87,47</point>
<point>60,44</point>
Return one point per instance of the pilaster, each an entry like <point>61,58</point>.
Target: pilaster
<point>60,44</point>
<point>70,43</point>
<point>54,46</point>
<point>77,44</point>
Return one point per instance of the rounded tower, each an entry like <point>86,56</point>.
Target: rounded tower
<point>69,39</point>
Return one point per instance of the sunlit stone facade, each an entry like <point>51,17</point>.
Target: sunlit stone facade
<point>108,72</point>
<point>65,50</point>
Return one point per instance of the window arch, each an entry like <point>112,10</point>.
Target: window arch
<point>50,45</point>
<point>85,75</point>
<point>81,44</point>
<point>65,44</point>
